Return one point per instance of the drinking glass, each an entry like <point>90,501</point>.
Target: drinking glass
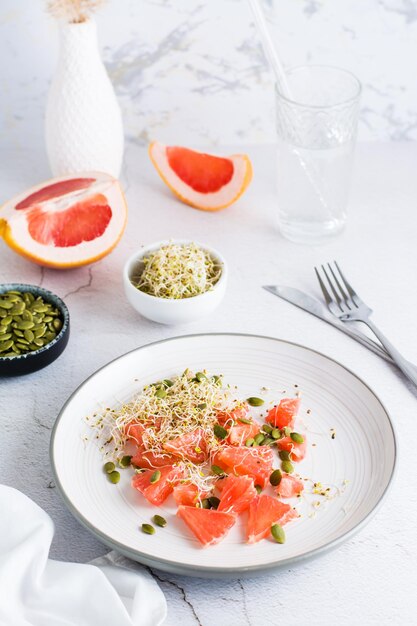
<point>317,120</point>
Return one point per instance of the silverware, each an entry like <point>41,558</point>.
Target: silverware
<point>347,306</point>
<point>309,304</point>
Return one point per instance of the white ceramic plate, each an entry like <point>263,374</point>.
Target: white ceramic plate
<point>363,452</point>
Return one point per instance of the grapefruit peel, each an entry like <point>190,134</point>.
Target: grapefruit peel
<point>203,181</point>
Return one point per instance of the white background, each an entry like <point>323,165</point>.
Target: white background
<point>192,71</point>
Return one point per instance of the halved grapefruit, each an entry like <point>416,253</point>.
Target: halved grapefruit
<point>203,181</point>
<point>66,222</point>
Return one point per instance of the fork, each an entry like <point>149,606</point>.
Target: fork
<point>346,305</point>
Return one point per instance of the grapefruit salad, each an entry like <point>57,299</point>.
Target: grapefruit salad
<point>192,439</point>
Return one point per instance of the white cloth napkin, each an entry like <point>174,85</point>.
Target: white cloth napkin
<point>37,591</point>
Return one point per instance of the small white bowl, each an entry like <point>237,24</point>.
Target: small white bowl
<point>168,311</point>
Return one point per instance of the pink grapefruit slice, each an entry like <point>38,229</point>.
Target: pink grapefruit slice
<point>66,222</point>
<point>204,181</point>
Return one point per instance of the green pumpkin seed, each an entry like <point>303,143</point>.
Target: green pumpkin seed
<point>57,324</point>
<point>14,296</point>
<point>214,502</point>
<point>278,533</point>
<point>268,441</point>
<point>297,437</point>
<point>205,504</point>
<point>243,420</point>
<point>217,380</point>
<point>18,323</point>
<point>219,431</point>
<point>25,325</point>
<point>114,477</point>
<point>287,431</point>
<point>249,442</point>
<point>4,354</point>
<point>160,393</point>
<point>275,478</point>
<point>276,433</point>
<point>259,439</point>
<point>287,467</point>
<point>109,467</point>
<point>6,304</point>
<point>159,521</point>
<point>29,336</point>
<point>255,401</point>
<point>18,309</point>
<point>6,345</point>
<point>218,470</point>
<point>166,382</point>
<point>202,406</point>
<point>155,477</point>
<point>22,347</point>
<point>266,428</point>
<point>284,455</point>
<point>40,308</point>
<point>148,529</point>
<point>258,489</point>
<point>199,377</point>
<point>125,461</point>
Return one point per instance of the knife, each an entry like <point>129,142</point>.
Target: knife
<point>311,305</point>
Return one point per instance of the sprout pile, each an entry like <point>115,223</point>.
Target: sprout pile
<point>177,271</point>
<point>168,409</point>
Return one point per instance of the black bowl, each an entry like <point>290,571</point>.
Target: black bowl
<point>32,361</point>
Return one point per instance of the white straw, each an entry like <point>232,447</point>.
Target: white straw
<point>269,48</point>
<point>312,174</point>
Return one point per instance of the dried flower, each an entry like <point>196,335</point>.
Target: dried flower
<point>73,11</point>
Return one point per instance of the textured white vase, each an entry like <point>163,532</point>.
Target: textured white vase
<point>84,129</point>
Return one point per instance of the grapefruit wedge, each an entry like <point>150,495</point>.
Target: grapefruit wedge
<point>203,181</point>
<point>66,222</point>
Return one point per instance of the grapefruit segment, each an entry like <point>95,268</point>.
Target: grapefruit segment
<point>156,493</point>
<point>237,493</point>
<point>208,525</point>
<point>191,446</point>
<point>263,512</point>
<point>289,486</point>
<point>148,460</point>
<point>54,190</point>
<point>188,494</point>
<point>297,450</point>
<point>285,413</point>
<point>66,222</point>
<point>243,461</point>
<point>203,181</point>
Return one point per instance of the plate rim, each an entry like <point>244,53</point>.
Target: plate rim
<point>206,570</point>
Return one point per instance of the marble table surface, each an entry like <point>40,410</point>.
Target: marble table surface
<point>369,580</point>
